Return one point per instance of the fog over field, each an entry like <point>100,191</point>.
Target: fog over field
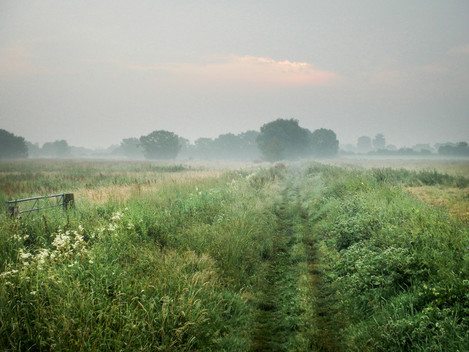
<point>234,175</point>
<point>94,73</point>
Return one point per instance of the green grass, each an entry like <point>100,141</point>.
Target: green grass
<point>398,269</point>
<point>40,177</point>
<point>314,258</point>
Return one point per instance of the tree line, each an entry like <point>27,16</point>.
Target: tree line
<point>276,140</point>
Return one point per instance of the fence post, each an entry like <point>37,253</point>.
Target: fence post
<point>13,210</point>
<point>69,201</point>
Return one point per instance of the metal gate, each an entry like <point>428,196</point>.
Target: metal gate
<point>27,205</point>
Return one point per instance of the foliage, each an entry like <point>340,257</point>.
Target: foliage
<point>56,149</point>
<point>364,144</point>
<point>460,149</point>
<point>131,148</point>
<point>168,271</point>
<point>283,139</point>
<point>279,258</point>
<point>226,146</point>
<point>395,269</point>
<point>160,145</point>
<point>324,143</point>
<point>379,142</point>
<point>11,146</point>
<point>418,178</point>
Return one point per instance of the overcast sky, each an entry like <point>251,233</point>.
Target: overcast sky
<point>94,72</point>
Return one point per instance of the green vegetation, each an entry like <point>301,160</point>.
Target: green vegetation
<point>307,258</point>
<point>160,145</point>
<point>11,146</point>
<point>397,270</point>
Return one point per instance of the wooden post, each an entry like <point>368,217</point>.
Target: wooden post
<point>69,201</point>
<point>13,210</point>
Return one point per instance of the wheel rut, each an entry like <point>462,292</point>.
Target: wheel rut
<point>294,310</point>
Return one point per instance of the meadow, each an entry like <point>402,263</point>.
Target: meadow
<point>299,257</point>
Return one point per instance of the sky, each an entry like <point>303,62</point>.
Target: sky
<point>95,72</point>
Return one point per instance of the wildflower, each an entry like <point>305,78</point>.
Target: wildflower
<point>8,273</point>
<point>42,256</point>
<point>61,240</point>
<point>24,256</point>
<point>33,293</point>
<point>116,216</point>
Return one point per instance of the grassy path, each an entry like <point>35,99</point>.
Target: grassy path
<point>324,334</point>
<point>286,311</point>
<point>272,330</point>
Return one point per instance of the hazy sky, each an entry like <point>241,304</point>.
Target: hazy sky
<point>94,72</point>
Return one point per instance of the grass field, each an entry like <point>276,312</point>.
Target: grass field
<point>304,257</point>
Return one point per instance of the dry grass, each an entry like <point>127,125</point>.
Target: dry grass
<point>121,193</point>
<point>455,200</point>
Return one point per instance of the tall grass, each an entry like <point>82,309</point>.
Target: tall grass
<point>398,269</point>
<point>335,259</point>
<point>170,270</point>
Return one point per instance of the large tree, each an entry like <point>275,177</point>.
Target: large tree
<point>283,139</point>
<point>364,144</point>
<point>11,146</point>
<point>324,143</point>
<point>160,145</point>
<point>56,149</point>
<point>379,142</point>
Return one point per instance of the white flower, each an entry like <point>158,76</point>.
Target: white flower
<point>116,216</point>
<point>25,255</point>
<point>61,240</point>
<point>42,256</point>
<point>8,273</point>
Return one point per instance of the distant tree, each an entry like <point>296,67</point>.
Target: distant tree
<point>227,146</point>
<point>460,149</point>
<point>249,145</point>
<point>324,143</point>
<point>203,148</point>
<point>364,144</point>
<point>423,147</point>
<point>11,146</point>
<point>160,145</point>
<point>283,139</point>
<point>131,148</point>
<point>57,149</point>
<point>34,150</point>
<point>379,142</point>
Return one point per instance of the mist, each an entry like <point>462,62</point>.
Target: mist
<point>95,74</point>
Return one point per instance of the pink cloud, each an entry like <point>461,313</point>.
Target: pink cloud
<point>248,69</point>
